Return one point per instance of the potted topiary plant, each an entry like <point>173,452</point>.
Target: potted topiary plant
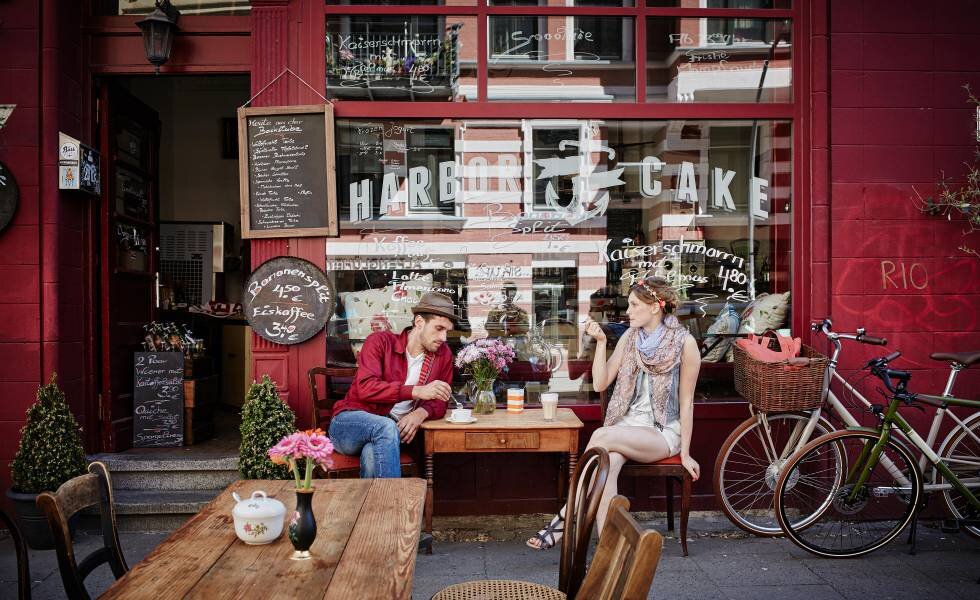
<point>50,453</point>
<point>266,419</point>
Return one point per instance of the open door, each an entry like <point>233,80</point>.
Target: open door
<point>129,134</point>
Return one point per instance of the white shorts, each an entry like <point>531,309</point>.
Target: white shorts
<point>671,433</point>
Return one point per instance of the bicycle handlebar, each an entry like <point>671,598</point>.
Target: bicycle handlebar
<point>826,327</point>
<point>879,368</point>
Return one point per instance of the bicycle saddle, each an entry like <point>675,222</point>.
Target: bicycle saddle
<point>964,358</point>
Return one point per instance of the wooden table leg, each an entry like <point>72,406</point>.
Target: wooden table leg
<point>572,463</point>
<point>429,468</point>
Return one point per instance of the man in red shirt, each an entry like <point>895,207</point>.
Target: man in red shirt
<point>401,381</point>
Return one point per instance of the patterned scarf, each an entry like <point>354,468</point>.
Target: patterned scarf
<point>659,365</point>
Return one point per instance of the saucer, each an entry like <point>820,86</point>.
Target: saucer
<point>455,422</point>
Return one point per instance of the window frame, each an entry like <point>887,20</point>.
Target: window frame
<point>797,111</point>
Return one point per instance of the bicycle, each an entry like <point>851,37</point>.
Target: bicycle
<point>752,457</point>
<point>849,492</point>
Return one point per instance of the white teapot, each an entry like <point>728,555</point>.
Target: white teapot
<point>258,519</point>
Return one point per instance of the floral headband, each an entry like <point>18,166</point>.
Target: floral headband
<point>649,289</point>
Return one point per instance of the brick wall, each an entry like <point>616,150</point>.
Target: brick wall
<point>42,251</point>
<point>898,118</point>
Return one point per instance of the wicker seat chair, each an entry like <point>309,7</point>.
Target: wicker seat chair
<point>584,494</point>
<point>623,567</point>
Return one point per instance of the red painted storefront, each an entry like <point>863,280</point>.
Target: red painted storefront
<point>878,112</point>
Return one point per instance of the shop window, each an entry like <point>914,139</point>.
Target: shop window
<point>719,60</point>
<point>186,7</point>
<point>396,170</point>
<point>410,57</point>
<point>703,203</point>
<point>560,58</point>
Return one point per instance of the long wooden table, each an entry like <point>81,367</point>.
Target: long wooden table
<point>367,538</point>
<point>501,432</point>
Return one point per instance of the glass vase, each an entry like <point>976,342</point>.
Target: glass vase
<point>482,396</point>
<point>302,527</point>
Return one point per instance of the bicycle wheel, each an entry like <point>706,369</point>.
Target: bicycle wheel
<point>841,519</point>
<point>962,455</point>
<point>748,466</point>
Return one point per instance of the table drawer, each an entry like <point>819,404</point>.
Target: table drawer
<point>504,439</point>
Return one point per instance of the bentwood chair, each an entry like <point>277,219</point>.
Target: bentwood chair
<point>23,559</point>
<point>625,560</point>
<point>75,494</point>
<point>584,494</point>
<point>672,470</point>
<point>344,465</point>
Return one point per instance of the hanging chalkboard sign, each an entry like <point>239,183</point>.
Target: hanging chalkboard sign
<point>288,300</point>
<point>158,399</point>
<point>286,171</point>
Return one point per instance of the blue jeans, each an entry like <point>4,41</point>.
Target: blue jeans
<point>374,438</point>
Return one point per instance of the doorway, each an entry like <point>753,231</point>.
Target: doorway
<point>170,254</point>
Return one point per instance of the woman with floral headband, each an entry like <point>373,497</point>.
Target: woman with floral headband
<point>650,415</point>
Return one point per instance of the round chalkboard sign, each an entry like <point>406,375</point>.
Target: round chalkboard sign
<point>9,195</point>
<point>288,300</point>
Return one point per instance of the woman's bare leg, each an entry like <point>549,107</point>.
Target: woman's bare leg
<point>642,444</point>
<point>623,443</point>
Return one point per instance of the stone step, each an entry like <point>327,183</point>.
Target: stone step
<point>152,510</point>
<point>155,472</point>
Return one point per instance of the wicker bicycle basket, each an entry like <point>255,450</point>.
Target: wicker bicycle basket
<point>778,386</point>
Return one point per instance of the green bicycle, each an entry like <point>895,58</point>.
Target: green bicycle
<point>850,492</point>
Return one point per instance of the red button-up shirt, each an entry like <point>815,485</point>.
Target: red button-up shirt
<point>380,381</point>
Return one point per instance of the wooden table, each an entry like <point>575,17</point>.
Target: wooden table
<point>367,539</point>
<point>501,432</point>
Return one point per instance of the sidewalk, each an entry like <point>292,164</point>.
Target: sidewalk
<point>724,563</point>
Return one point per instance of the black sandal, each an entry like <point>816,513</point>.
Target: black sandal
<point>547,535</point>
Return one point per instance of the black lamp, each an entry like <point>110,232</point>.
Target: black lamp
<point>158,32</point>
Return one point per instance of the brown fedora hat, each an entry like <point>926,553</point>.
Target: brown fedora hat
<point>434,303</point>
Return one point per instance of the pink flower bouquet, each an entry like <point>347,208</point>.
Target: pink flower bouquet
<point>485,359</point>
<point>311,445</point>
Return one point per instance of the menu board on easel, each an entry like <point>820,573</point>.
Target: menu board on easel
<point>286,171</point>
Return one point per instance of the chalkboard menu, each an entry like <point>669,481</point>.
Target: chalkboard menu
<point>286,171</point>
<point>288,300</point>
<point>158,399</point>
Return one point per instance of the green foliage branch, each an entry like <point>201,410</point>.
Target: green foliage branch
<point>951,197</point>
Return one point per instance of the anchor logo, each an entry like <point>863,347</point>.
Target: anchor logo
<point>576,211</point>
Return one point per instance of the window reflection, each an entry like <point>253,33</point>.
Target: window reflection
<point>410,57</point>
<point>565,58</point>
<point>532,225</point>
<point>719,60</point>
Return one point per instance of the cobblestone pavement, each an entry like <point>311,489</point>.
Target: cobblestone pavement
<point>724,563</point>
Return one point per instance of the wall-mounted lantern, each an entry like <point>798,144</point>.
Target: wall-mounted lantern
<point>158,30</point>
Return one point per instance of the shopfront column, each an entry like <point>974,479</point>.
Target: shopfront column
<point>285,365</point>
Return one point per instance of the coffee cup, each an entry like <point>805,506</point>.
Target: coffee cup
<point>461,415</point>
<point>549,405</point>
